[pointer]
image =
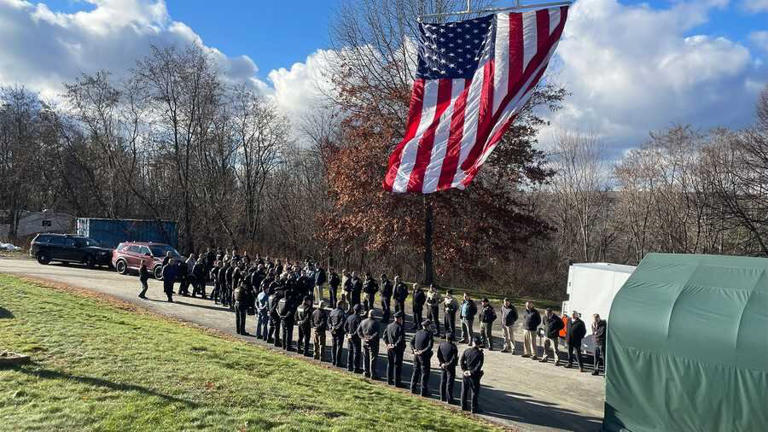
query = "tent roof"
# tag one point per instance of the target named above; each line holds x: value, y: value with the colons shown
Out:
x: 607, y: 266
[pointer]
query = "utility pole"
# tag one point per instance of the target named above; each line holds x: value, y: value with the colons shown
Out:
x: 429, y: 228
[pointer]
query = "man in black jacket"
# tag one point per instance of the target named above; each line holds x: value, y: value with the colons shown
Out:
x: 304, y: 322
x: 487, y: 317
x: 355, y: 289
x: 369, y: 331
x: 394, y: 337
x: 531, y: 321
x: 508, y: 318
x: 386, y: 298
x: 400, y: 293
x: 198, y: 278
x: 599, y: 327
x: 370, y: 288
x: 448, y: 356
x: 143, y: 278
x: 552, y: 326
x: 241, y: 298
x: 320, y: 324
x: 333, y: 289
x: 472, y: 370
x: 353, y: 340
x: 320, y: 279
x: 336, y: 321
x: 169, y: 275
x: 576, y: 332
x: 421, y: 345
x: 274, y: 318
x: 419, y: 298
x: 287, y: 309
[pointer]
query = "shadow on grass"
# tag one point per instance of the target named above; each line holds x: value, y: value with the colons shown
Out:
x: 5, y: 313
x: 98, y: 382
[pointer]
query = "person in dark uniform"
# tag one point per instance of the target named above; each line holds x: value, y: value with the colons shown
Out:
x: 576, y: 332
x: 320, y: 325
x: 169, y: 275
x: 304, y: 322
x: 472, y: 370
x: 450, y: 307
x: 286, y: 309
x: 228, y: 287
x: 448, y: 356
x: 274, y: 318
x: 143, y: 278
x: 333, y: 284
x: 370, y: 288
x: 182, y: 277
x: 369, y: 332
x: 321, y: 277
x: 433, y: 307
x: 400, y: 293
x: 214, y: 275
x: 394, y: 337
x: 336, y: 321
x: 198, y: 278
x: 487, y: 317
x: 421, y: 345
x: 355, y: 289
x: 386, y: 299
x: 241, y: 298
x: 353, y: 340
x: 419, y: 298
x: 222, y: 275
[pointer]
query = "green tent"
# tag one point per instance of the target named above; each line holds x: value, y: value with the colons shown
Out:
x: 688, y: 346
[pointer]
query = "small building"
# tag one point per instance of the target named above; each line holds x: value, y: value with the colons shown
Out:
x: 687, y: 348
x: 31, y: 223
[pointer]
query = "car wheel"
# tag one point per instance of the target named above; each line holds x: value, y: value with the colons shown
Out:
x: 90, y: 261
x: 43, y: 258
x: 158, y: 272
x: 121, y: 267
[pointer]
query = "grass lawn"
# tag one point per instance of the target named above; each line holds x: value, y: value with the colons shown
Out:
x: 99, y: 365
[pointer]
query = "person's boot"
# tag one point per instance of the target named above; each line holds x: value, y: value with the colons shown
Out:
x: 544, y: 360
x: 595, y: 372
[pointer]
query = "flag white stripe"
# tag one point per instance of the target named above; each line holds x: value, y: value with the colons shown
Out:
x: 554, y: 19
x: 501, y: 60
x: 408, y: 158
x: 442, y: 135
x: 471, y: 118
x: 530, y: 37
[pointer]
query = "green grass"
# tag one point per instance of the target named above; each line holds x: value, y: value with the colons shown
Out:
x: 99, y: 365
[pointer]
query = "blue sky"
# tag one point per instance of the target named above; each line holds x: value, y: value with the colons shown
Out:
x: 630, y: 66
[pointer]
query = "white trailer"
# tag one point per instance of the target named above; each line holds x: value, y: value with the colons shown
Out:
x: 591, y: 289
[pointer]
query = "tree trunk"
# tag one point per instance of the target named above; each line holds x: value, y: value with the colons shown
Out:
x: 428, y: 230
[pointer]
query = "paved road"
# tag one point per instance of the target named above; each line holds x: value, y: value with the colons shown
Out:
x: 516, y: 392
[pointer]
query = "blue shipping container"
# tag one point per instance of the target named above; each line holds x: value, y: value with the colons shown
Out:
x: 111, y: 232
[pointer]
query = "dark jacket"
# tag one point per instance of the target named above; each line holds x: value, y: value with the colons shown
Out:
x: 598, y: 331
x: 395, y: 335
x: 576, y: 332
x: 423, y: 341
x: 169, y: 272
x: 320, y: 277
x: 508, y: 315
x: 335, y: 280
x: 143, y: 274
x: 386, y: 289
x: 304, y: 316
x: 400, y: 292
x: 369, y: 330
x: 320, y: 320
x: 419, y: 298
x: 355, y: 288
x: 448, y: 354
x: 370, y: 287
x: 487, y: 315
x: 336, y: 321
x: 350, y: 326
x: 552, y: 326
x: 531, y: 319
x: 472, y: 361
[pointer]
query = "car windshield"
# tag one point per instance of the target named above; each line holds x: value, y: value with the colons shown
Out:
x: 91, y: 242
x: 160, y: 251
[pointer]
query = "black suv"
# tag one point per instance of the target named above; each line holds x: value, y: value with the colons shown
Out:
x: 68, y: 248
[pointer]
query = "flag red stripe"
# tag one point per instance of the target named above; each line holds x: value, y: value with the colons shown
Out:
x: 453, y: 149
x: 542, y: 31
x: 486, y: 116
x: 424, y: 154
x: 414, y: 118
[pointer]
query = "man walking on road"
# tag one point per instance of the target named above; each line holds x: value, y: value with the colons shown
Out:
x: 531, y: 321
x: 143, y: 278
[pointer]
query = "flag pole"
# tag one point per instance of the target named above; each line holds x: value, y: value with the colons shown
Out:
x: 517, y: 7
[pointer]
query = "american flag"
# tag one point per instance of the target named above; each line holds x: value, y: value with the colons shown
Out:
x: 473, y: 78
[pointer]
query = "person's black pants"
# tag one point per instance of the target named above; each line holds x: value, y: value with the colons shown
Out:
x: 337, y: 348
x: 332, y: 290
x: 386, y: 310
x: 449, y: 322
x: 240, y: 314
x: 303, y: 342
x: 421, y: 374
x: 417, y: 319
x: 368, y: 302
x: 353, y: 354
x: 144, y: 287
x: 168, y: 288
x: 470, y: 390
x: 575, y: 351
x: 287, y: 333
x: 447, y: 379
x: 434, y: 316
x: 274, y: 331
x: 394, y: 366
x: 399, y: 306
x: 371, y: 354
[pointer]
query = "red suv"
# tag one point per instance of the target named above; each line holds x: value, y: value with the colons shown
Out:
x: 128, y: 256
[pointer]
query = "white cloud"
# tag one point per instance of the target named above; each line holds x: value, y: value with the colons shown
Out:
x: 41, y: 48
x: 760, y: 39
x: 632, y: 69
x: 755, y: 6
